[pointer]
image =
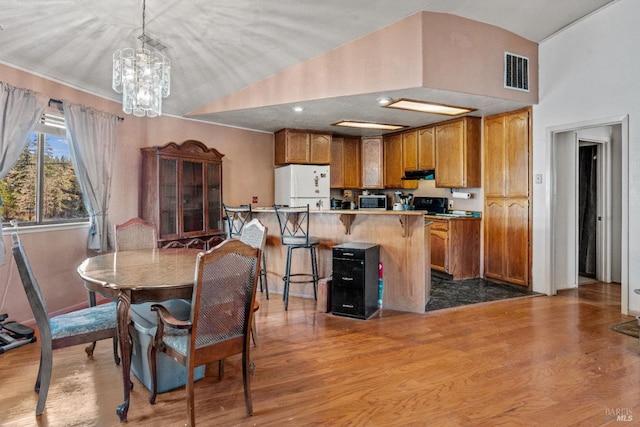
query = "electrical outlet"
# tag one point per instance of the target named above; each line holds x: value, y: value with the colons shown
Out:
x: 538, y: 178
x: 450, y: 204
x: 255, y: 199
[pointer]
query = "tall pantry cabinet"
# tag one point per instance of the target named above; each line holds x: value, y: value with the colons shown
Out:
x: 507, y: 166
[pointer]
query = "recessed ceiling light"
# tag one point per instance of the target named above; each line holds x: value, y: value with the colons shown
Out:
x: 383, y: 101
x: 427, y: 107
x: 298, y: 109
x: 367, y: 125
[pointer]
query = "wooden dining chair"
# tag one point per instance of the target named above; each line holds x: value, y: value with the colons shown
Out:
x: 237, y: 218
x: 135, y: 233
x: 220, y: 320
x: 78, y: 327
x: 254, y: 233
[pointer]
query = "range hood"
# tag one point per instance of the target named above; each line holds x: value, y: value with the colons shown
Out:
x: 420, y: 174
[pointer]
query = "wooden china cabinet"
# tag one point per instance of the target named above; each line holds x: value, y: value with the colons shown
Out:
x: 181, y: 193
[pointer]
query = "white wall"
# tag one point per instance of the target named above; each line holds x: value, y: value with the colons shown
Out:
x: 588, y: 72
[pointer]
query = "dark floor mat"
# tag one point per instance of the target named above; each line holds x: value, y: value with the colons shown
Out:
x: 446, y: 293
x: 630, y: 328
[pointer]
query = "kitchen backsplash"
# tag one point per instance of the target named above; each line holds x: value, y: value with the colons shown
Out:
x: 426, y: 188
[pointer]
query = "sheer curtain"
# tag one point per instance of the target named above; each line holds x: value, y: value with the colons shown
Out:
x: 20, y: 110
x: 92, y: 137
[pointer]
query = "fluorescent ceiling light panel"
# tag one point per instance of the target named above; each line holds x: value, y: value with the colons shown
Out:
x: 367, y: 125
x: 426, y: 107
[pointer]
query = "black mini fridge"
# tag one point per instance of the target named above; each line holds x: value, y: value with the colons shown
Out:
x: 354, y: 288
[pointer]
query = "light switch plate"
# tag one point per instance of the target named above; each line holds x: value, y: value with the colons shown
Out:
x: 538, y: 178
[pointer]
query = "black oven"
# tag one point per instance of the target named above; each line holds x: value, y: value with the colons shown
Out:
x: 431, y: 204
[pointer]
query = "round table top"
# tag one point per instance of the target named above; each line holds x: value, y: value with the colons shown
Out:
x: 145, y: 269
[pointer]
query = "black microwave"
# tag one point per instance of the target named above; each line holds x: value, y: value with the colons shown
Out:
x: 372, y: 201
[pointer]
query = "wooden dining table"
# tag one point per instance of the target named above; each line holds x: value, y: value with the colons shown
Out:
x: 131, y: 277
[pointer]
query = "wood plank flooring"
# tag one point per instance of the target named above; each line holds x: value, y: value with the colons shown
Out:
x: 528, y: 361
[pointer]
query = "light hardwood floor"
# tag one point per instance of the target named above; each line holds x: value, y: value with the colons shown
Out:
x: 529, y: 361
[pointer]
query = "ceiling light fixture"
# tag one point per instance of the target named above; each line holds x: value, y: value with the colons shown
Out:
x: 428, y: 107
x: 298, y: 109
x: 367, y: 125
x: 384, y: 101
x: 142, y: 77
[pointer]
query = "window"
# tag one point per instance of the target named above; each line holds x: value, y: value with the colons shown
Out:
x: 42, y: 187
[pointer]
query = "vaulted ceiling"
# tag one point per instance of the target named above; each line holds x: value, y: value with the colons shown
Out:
x: 218, y: 47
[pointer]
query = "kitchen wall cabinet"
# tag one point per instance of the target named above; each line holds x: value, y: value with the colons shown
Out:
x: 394, y: 163
x: 298, y: 146
x: 346, y: 170
x: 410, y: 150
x: 426, y: 148
x: 455, y: 246
x: 372, y: 164
x: 457, y: 149
x: 507, y: 179
x: 181, y: 193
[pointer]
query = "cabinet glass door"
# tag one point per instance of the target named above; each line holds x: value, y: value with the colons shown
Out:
x: 168, y: 197
x: 214, y: 189
x: 192, y: 197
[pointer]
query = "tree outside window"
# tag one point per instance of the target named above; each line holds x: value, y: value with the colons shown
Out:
x: 42, y: 186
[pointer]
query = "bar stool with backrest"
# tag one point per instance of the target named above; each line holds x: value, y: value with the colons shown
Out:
x: 237, y: 218
x: 294, y: 234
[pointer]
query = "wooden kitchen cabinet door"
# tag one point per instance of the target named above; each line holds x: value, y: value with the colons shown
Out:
x: 351, y: 162
x: 292, y: 146
x: 410, y: 150
x: 345, y: 162
x: 439, y: 245
x: 506, y: 155
x: 494, y: 238
x: 517, y: 155
x: 372, y: 166
x: 320, y: 148
x: 336, y: 175
x: 506, y: 234
x: 517, y: 244
x: 458, y: 153
x: 393, y: 161
x: 426, y: 148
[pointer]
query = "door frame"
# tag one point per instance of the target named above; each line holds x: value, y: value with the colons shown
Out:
x: 553, y: 134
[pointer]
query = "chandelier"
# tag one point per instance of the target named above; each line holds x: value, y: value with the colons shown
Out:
x: 142, y: 77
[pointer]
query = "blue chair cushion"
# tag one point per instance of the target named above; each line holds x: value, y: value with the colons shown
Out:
x: 90, y: 319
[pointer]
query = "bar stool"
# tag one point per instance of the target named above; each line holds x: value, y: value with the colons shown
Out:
x: 294, y: 234
x: 237, y: 217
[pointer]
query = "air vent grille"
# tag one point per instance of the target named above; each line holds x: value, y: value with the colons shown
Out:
x: 516, y: 72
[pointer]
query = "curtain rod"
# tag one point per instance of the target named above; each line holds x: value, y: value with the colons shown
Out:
x: 57, y: 101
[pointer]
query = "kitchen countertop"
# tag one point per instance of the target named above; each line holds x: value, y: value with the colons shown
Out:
x: 377, y: 212
x: 350, y: 211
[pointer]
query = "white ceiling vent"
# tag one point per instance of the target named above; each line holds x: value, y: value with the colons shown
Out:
x: 516, y: 72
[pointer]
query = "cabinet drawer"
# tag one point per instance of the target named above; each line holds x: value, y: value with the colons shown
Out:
x: 439, y: 225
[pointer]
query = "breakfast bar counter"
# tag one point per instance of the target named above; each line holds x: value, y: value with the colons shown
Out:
x: 404, y: 251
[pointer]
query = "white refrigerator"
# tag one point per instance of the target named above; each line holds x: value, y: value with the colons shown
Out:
x: 301, y: 185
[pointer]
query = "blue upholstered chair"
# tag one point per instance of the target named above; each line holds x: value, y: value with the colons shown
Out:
x: 78, y: 327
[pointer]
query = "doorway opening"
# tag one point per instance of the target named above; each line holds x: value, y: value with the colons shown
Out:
x: 588, y: 209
